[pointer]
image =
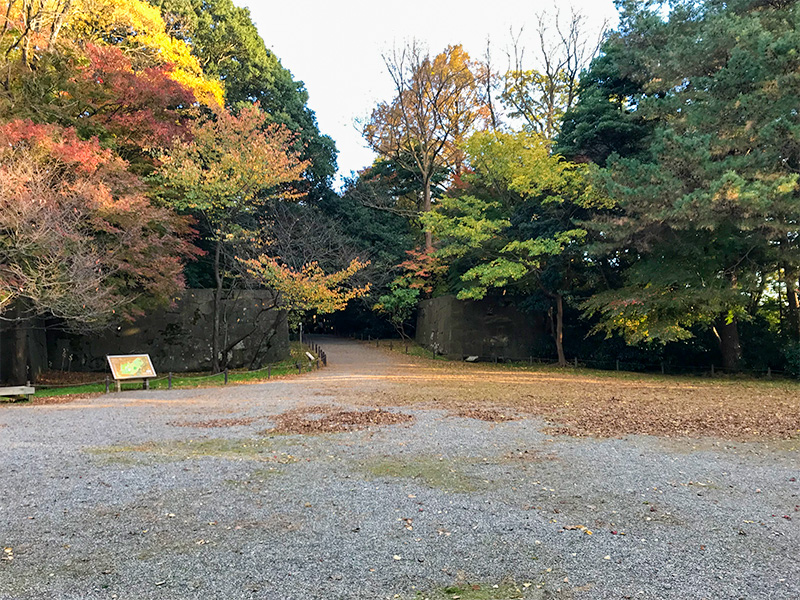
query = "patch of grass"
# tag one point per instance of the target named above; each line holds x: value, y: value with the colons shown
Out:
x: 443, y: 474
x: 192, y: 380
x: 414, y: 349
x: 474, y: 591
x: 150, y: 452
x: 736, y: 379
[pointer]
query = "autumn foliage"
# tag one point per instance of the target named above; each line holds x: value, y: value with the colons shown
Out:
x: 115, y: 142
x: 230, y: 164
x: 30, y: 31
x: 141, y: 108
x: 309, y: 288
x: 78, y: 238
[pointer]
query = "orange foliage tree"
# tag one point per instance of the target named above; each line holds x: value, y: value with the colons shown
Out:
x: 78, y: 238
x: 31, y: 29
x: 232, y: 166
x: 438, y: 102
x: 308, y: 289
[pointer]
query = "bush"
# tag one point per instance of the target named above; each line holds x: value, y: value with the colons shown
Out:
x: 792, y: 354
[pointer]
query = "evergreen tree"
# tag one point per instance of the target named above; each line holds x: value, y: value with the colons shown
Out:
x: 711, y: 207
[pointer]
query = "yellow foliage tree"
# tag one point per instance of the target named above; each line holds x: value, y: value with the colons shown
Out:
x: 28, y: 27
x: 139, y: 27
x: 308, y: 289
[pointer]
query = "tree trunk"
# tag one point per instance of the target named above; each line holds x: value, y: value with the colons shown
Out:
x: 426, y: 207
x: 558, y: 334
x: 215, y: 335
x: 729, y: 345
x: 791, y: 277
x: 19, y: 356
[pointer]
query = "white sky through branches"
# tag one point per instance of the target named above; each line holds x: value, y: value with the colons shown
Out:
x: 335, y: 48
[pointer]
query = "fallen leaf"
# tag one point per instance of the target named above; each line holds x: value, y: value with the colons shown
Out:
x: 582, y: 528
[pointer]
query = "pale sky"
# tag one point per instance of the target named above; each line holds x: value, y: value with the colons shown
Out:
x: 335, y: 47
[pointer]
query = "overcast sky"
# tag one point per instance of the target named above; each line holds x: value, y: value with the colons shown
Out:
x: 335, y: 48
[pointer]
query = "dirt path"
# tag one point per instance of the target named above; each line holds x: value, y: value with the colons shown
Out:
x: 193, y: 494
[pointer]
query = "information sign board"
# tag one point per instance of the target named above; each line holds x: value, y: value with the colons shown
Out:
x: 131, y: 366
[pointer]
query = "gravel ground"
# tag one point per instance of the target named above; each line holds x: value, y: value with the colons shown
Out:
x: 116, y: 497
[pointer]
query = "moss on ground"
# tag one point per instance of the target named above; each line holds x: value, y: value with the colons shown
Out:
x: 178, y: 450
x: 482, y: 591
x: 446, y: 474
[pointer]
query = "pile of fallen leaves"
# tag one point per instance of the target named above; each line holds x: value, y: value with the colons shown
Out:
x: 679, y: 417
x: 214, y: 423
x: 66, y: 398
x: 484, y: 414
x: 67, y: 377
x: 312, y: 420
x: 605, y: 405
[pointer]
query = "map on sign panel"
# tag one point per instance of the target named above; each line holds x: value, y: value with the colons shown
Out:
x: 131, y: 366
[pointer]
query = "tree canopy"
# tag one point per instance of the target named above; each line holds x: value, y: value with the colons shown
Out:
x: 227, y: 45
x: 134, y: 133
x: 708, y: 212
x: 640, y: 191
x: 660, y: 198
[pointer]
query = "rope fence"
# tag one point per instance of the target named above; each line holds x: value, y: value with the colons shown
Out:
x: 319, y: 360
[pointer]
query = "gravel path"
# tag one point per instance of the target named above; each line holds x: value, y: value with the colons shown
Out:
x: 116, y: 497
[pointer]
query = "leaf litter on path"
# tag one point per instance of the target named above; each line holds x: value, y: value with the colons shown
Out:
x: 314, y: 420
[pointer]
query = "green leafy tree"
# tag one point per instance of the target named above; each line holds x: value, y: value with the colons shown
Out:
x: 517, y: 227
x: 399, y: 306
x: 604, y: 120
x: 231, y: 167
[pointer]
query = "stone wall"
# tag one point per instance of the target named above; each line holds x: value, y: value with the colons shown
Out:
x: 487, y: 328
x: 178, y: 338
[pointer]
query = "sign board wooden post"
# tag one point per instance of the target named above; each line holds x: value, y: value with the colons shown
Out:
x: 131, y: 367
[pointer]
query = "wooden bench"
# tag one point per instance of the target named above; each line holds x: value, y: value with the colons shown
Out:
x: 18, y: 390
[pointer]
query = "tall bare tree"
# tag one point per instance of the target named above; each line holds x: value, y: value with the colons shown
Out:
x: 563, y: 48
x: 438, y: 102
